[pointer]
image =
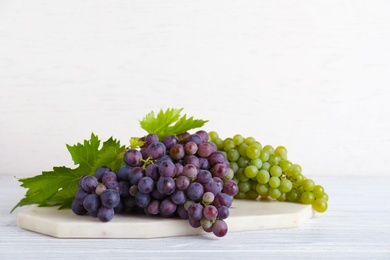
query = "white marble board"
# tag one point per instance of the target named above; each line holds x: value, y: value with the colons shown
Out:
x: 245, y: 215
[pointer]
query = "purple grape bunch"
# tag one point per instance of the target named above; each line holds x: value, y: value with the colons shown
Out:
x: 181, y: 176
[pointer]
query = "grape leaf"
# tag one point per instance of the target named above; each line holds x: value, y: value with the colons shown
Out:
x: 58, y: 187
x: 169, y: 122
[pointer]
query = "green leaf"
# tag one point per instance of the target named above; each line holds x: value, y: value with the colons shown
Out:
x: 58, y: 187
x: 169, y: 122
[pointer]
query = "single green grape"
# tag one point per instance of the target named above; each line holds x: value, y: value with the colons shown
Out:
x: 249, y: 140
x: 286, y: 166
x: 251, y: 195
x: 244, y: 186
x: 293, y: 195
x: 296, y: 168
x: 281, y: 151
x: 240, y: 195
x: 242, y: 149
x: 238, y: 139
x: 218, y: 143
x: 269, y: 149
x: 228, y: 144
x: 251, y: 171
x: 266, y: 166
x: 234, y: 166
x: 297, y: 178
x: 282, y: 197
x: 320, y: 205
x: 285, y: 185
x: 243, y: 161
x: 308, y: 184
x: 274, y: 193
x: 240, y: 174
x: 274, y: 159
x: 262, y: 189
x: 307, y: 197
x: 325, y: 196
x: 257, y: 144
x: 213, y: 135
x: 263, y: 176
x: 318, y: 191
x: 264, y: 155
x: 252, y: 152
x: 274, y: 182
x: 256, y: 162
x: 276, y: 171
x: 233, y: 155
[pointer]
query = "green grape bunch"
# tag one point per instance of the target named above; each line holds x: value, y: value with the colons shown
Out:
x: 265, y: 172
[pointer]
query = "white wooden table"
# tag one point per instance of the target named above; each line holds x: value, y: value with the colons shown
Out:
x: 356, y: 225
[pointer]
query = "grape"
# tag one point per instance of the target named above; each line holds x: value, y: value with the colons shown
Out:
x: 123, y: 172
x: 253, y: 151
x: 208, y: 197
x: 89, y: 183
x: 124, y: 187
x: 320, y: 205
x: 190, y: 148
x: 112, y: 185
x: 206, y: 224
x: 230, y: 187
x: 145, y: 185
x: 152, y: 171
x: 276, y: 171
x: 213, y: 187
x: 92, y: 203
x: 220, y: 228
x: 251, y: 171
x: 285, y: 185
x: 307, y: 197
x: 191, y: 159
x: 195, y: 211
x: 100, y: 172
x: 308, y: 185
x: 194, y: 138
x: 153, y: 208
x: 177, y: 152
x: 220, y: 170
x: 222, y: 199
x: 167, y: 168
x: 223, y: 212
x: 80, y: 195
x: 274, y: 182
x: 318, y: 191
x: 151, y: 138
x: 169, y: 141
x: 178, y: 197
x: 156, y: 150
x: 167, y: 208
x: 166, y: 185
x: 195, y: 191
x: 110, y: 198
x: 263, y: 176
x: 135, y: 175
x: 78, y: 208
x: 204, y: 135
x: 210, y: 212
x: 109, y: 176
x: 182, y: 212
x: 204, y: 163
x: 203, y: 176
x: 217, y: 157
x: 190, y: 171
x: 132, y: 157
x: 142, y: 199
x: 182, y: 182
x: 105, y: 214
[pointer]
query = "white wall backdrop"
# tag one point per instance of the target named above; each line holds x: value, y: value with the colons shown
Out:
x: 310, y: 75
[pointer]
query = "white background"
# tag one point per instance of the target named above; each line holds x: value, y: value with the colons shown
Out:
x: 310, y: 75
